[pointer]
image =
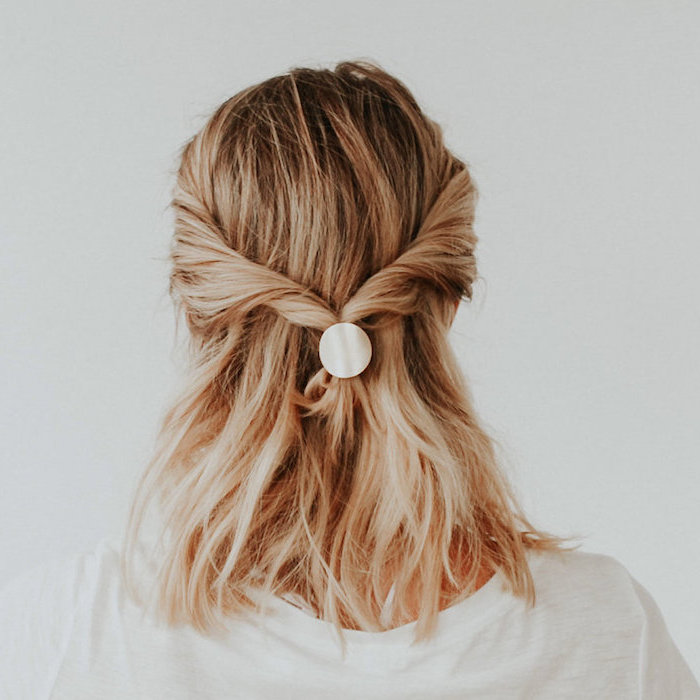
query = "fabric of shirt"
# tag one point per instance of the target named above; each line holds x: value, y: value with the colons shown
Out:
x: 69, y: 631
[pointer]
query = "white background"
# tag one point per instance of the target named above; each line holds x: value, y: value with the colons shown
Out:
x: 580, y: 123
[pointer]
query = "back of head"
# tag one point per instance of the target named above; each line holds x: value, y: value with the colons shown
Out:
x: 316, y: 197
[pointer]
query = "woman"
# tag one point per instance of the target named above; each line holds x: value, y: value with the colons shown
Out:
x: 332, y: 520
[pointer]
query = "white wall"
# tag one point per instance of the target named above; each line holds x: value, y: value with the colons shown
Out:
x: 579, y: 120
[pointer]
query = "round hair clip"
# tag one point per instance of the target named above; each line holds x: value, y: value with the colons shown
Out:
x: 345, y: 349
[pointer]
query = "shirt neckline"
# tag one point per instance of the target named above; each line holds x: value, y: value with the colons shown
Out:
x: 287, y: 620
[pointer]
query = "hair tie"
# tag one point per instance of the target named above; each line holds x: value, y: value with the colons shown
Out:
x: 345, y: 349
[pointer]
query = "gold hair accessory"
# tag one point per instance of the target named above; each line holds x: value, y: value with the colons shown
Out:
x: 345, y: 349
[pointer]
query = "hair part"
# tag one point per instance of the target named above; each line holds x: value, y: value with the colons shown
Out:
x: 314, y: 197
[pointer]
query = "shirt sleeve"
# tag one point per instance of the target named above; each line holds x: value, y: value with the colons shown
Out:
x: 663, y: 672
x: 37, y: 610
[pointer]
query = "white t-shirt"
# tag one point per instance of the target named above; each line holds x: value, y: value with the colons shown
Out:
x: 67, y: 630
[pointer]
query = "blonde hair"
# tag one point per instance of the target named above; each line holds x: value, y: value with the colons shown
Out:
x: 314, y: 197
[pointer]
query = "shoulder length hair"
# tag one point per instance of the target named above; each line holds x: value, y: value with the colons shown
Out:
x: 315, y: 197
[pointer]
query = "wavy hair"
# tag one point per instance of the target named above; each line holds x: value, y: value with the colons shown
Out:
x: 315, y: 197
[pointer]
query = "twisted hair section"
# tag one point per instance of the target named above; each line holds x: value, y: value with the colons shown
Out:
x: 315, y: 197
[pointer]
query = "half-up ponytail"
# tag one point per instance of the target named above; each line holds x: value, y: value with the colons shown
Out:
x: 317, y: 197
